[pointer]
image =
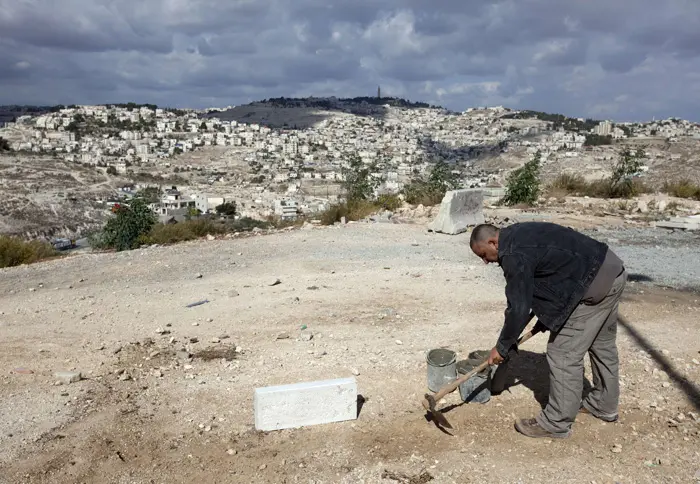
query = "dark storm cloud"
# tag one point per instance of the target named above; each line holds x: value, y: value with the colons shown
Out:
x: 615, y: 59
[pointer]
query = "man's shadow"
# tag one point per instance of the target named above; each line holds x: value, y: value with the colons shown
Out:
x: 532, y: 371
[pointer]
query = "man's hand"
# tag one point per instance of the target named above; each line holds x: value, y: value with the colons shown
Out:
x: 495, y: 357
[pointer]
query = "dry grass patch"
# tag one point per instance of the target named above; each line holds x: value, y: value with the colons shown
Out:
x: 15, y: 251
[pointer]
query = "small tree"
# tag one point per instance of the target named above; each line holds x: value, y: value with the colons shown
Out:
x: 358, y: 183
x: 111, y: 170
x: 227, y: 209
x: 122, y: 232
x: 629, y: 165
x: 4, y: 144
x: 431, y: 190
x: 523, y: 184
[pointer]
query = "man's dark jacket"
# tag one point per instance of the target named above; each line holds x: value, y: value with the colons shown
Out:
x: 548, y: 269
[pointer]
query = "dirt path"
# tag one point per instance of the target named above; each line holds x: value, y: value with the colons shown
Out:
x: 359, y: 289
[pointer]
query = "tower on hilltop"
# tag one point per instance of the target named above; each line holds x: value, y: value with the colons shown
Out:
x: 379, y: 92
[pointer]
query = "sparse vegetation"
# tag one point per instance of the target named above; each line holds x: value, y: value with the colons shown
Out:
x: 197, y: 228
x: 358, y: 181
x: 15, y: 251
x: 621, y: 184
x: 523, y: 184
x: 388, y: 202
x: 352, y: 210
x: 4, y: 144
x: 150, y: 194
x: 112, y: 170
x: 431, y: 190
x: 682, y: 189
x: 569, y: 184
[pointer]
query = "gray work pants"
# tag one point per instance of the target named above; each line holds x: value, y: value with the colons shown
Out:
x: 593, y: 330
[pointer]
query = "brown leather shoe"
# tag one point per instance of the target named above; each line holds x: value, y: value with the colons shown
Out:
x: 585, y: 411
x: 530, y: 428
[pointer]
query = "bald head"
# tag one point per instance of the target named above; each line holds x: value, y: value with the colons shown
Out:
x: 484, y: 242
x: 482, y: 233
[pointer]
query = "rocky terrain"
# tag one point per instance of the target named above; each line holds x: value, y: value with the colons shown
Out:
x: 166, y: 390
x: 45, y: 196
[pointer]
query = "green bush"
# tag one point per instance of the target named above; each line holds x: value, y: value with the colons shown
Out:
x: 431, y: 190
x: 389, y: 202
x: 15, y: 251
x: 352, y: 210
x: 246, y: 224
x: 358, y: 182
x: 226, y: 208
x: 180, y: 232
x: 125, y: 229
x: 164, y: 234
x: 523, y: 184
x: 622, y: 182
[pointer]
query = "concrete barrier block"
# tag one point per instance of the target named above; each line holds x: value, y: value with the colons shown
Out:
x: 459, y: 209
x: 302, y: 404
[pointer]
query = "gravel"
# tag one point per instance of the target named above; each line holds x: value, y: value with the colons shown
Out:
x: 656, y: 256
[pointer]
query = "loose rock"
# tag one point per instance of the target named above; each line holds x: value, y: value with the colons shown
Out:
x: 616, y: 449
x: 68, y: 377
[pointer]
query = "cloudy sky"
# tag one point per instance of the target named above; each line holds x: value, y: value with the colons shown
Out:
x: 614, y: 59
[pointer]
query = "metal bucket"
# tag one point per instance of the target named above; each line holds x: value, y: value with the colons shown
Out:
x: 476, y: 389
x: 441, y: 368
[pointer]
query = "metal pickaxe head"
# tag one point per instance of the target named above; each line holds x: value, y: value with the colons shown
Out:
x: 430, y: 405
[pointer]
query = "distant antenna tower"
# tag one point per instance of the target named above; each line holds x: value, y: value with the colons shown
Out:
x: 379, y: 92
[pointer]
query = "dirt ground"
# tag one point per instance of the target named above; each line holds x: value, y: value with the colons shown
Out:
x: 376, y: 298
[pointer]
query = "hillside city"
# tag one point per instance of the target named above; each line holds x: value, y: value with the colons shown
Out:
x: 275, y: 167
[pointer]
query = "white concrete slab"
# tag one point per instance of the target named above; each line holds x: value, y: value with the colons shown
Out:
x: 459, y: 209
x: 302, y: 404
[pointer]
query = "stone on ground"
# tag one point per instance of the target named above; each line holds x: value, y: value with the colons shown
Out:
x: 302, y: 404
x: 459, y: 209
x: 68, y: 376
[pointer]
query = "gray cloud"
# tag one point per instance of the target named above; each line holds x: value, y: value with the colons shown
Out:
x: 628, y: 59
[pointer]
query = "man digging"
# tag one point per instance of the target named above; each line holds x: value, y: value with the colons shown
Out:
x: 573, y: 285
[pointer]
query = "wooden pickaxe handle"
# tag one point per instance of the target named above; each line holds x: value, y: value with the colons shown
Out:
x: 449, y: 388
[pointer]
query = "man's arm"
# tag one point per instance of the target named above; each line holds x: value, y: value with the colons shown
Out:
x: 520, y: 278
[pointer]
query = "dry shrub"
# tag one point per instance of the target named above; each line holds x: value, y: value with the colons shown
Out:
x: 682, y: 189
x: 15, y: 251
x: 568, y: 184
x: 352, y: 210
x: 602, y: 188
